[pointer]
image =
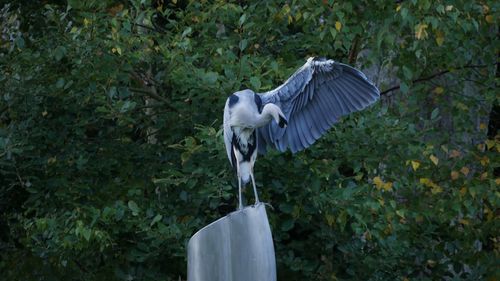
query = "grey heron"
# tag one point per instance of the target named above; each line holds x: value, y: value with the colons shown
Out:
x: 303, y: 109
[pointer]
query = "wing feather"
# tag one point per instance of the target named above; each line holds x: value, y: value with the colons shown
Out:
x: 338, y: 101
x: 313, y: 99
x: 345, y: 99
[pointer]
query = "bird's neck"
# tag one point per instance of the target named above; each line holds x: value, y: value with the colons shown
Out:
x: 269, y: 112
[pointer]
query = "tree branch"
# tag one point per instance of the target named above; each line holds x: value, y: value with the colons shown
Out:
x: 437, y: 74
x: 154, y: 96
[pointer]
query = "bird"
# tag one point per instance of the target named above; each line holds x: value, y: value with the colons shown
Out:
x: 292, y: 116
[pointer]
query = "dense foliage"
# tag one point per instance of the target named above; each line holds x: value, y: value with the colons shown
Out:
x: 111, y: 154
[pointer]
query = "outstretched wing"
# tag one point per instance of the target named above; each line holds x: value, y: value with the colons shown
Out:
x: 313, y: 99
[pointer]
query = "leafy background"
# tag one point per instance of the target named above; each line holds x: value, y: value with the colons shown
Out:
x: 111, y: 154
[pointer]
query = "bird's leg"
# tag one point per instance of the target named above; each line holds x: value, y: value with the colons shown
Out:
x: 255, y: 189
x: 240, y: 206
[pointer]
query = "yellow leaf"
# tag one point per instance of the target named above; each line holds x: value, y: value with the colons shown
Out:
x: 436, y: 189
x: 398, y: 7
x: 480, y: 147
x: 425, y: 181
x: 113, y: 50
x: 338, y: 25
x: 482, y: 126
x: 298, y: 16
x: 378, y: 182
x: 439, y: 38
x: 86, y: 22
x: 358, y: 177
x: 387, y: 186
x: 400, y: 213
x: 497, y: 181
x: 330, y: 219
x: 489, y: 213
x: 439, y: 90
x: 52, y: 160
x: 464, y: 221
x: 449, y: 8
x: 489, y: 18
x: 490, y: 144
x: 44, y: 113
x: 486, y: 9
x: 415, y: 165
x: 485, y: 160
x: 472, y: 193
x: 420, y: 31
x: 434, y: 159
x: 381, y: 201
x: 119, y: 50
x: 462, y: 106
x: 484, y: 176
x: 455, y: 153
x: 115, y: 9
x: 463, y: 190
x: 174, y: 1
x: 465, y: 170
x: 454, y: 175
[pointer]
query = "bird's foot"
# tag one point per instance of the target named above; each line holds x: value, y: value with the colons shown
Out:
x: 269, y: 204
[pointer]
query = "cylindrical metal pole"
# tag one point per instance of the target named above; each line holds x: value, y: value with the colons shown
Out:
x: 237, y: 247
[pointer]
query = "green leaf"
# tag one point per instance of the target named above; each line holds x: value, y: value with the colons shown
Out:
x: 333, y: 32
x: 60, y: 83
x: 407, y: 72
x: 243, y: 44
x: 59, y: 53
x: 186, y: 32
x: 133, y: 207
x: 242, y: 19
x: 255, y: 82
x: 211, y: 77
x: 19, y: 42
x: 404, y: 88
x: 286, y: 208
x: 435, y: 113
x: 86, y: 233
x: 287, y: 224
x: 156, y: 219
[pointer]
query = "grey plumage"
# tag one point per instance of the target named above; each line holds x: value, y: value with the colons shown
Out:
x: 309, y: 102
x: 313, y: 99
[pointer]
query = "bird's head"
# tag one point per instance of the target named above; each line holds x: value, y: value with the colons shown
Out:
x: 282, y: 121
x: 275, y: 113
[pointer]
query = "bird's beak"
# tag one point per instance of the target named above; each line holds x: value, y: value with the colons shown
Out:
x: 282, y: 123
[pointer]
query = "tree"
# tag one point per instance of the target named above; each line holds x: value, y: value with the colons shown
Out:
x: 111, y: 151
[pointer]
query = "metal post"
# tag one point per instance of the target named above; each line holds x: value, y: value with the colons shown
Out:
x: 237, y: 247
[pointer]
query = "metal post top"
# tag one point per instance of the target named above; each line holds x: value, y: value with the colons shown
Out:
x: 236, y: 247
x: 259, y: 207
